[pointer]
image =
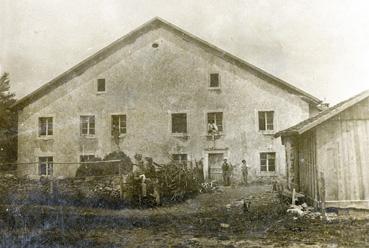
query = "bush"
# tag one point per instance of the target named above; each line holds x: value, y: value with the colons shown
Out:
x: 106, y: 168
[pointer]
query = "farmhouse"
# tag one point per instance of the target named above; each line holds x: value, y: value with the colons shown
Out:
x: 155, y: 91
x: 328, y: 155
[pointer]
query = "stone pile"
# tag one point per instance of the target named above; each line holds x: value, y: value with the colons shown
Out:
x: 303, y: 210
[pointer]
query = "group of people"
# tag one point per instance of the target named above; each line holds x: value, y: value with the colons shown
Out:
x: 145, y: 178
x: 144, y: 175
x: 227, y: 170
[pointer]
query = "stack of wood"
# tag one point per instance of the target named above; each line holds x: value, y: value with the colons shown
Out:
x: 176, y: 182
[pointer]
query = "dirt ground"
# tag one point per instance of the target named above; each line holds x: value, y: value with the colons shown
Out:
x: 209, y: 220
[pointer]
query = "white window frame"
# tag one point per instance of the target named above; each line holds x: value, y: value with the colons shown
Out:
x: 207, y: 123
x: 111, y: 124
x: 266, y: 132
x: 88, y: 125
x: 170, y: 113
x: 45, y: 136
x: 268, y: 172
x: 47, y: 166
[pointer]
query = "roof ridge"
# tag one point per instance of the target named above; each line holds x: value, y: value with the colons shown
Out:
x: 100, y: 53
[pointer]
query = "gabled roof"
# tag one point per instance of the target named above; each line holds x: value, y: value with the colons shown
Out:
x: 131, y: 37
x: 323, y: 116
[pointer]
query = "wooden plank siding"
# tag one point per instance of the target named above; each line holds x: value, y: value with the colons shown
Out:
x: 343, y: 156
x: 308, y: 172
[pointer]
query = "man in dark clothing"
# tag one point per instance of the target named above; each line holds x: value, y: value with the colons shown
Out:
x: 198, y: 171
x: 226, y: 172
x: 150, y: 171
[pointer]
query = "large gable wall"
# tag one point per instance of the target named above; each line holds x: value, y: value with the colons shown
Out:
x: 148, y: 84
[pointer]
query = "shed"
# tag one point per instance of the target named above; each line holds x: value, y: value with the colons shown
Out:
x: 328, y: 155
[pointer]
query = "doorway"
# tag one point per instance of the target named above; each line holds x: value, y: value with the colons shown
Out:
x: 215, y: 161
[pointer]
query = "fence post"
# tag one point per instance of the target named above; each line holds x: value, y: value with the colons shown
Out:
x: 293, y: 196
x: 322, y: 194
x: 51, y: 185
x: 120, y: 183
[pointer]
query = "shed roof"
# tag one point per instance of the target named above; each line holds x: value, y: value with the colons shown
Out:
x: 131, y: 37
x: 312, y: 122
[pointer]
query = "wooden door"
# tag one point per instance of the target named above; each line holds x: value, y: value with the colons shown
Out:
x: 215, y: 161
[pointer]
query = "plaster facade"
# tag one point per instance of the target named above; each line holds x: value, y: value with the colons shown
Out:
x: 148, y: 83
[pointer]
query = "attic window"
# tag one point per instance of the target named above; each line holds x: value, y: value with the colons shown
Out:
x: 214, y: 80
x: 101, y: 85
x: 155, y: 45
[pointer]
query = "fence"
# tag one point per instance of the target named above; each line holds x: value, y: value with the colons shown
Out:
x: 36, y: 188
x: 110, y: 187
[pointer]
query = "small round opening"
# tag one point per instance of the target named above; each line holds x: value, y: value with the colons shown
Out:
x: 155, y: 45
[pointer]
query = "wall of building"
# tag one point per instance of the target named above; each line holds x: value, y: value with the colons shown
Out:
x: 148, y: 84
x: 308, y: 171
x: 343, y: 156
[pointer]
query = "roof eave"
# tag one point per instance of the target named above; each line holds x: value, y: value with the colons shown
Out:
x: 286, y: 133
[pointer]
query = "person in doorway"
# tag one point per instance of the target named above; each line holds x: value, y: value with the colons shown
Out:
x: 226, y: 172
x: 244, y: 171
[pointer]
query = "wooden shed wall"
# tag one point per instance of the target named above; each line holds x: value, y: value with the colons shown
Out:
x: 308, y: 173
x: 343, y: 156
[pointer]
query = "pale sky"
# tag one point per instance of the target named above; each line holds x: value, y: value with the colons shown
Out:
x: 320, y: 46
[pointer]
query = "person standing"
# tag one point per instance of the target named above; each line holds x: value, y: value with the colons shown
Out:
x: 139, y: 176
x: 226, y: 172
x: 150, y: 170
x: 245, y: 171
x: 198, y: 171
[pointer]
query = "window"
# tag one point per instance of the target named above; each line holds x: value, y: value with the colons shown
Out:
x: 214, y: 80
x: 86, y: 158
x: 101, y: 85
x: 215, y: 118
x: 45, y: 166
x: 266, y: 119
x: 88, y: 125
x: 267, y: 161
x: 179, y: 158
x: 45, y: 125
x: 119, y: 124
x: 179, y: 123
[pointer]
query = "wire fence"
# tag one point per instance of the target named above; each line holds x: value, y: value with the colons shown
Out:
x: 29, y: 168
x: 32, y: 168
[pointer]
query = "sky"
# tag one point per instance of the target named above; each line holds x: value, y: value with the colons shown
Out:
x: 320, y: 46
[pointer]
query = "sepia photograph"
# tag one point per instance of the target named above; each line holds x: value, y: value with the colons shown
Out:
x: 208, y: 123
